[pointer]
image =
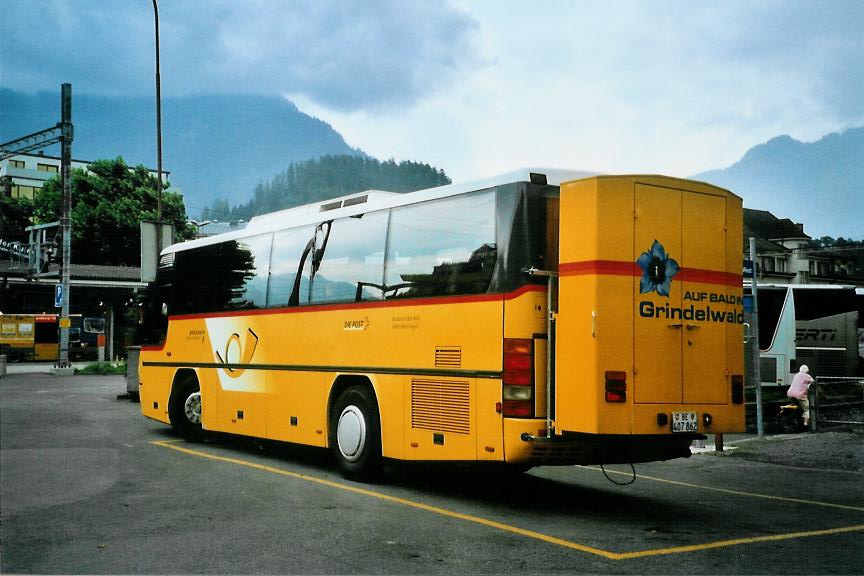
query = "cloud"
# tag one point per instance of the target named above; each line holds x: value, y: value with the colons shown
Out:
x: 344, y: 55
x: 662, y: 86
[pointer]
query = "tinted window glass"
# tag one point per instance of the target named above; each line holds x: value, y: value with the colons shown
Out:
x: 227, y: 276
x: 245, y: 265
x: 352, y: 265
x: 770, y: 306
x: 288, y: 249
x: 195, y: 280
x: 442, y: 247
x: 821, y: 303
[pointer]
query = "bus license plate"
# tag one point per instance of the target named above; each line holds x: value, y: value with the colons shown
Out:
x: 684, y: 422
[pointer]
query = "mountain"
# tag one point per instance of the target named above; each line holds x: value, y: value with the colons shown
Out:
x: 213, y: 146
x: 820, y: 184
x: 329, y: 177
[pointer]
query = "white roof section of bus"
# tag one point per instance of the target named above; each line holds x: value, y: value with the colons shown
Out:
x: 808, y: 286
x: 376, y: 200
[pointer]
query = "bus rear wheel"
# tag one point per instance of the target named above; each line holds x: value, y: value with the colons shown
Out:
x: 355, y: 434
x: 185, y: 409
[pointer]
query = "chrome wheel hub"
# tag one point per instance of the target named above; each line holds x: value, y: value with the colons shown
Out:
x: 192, y: 408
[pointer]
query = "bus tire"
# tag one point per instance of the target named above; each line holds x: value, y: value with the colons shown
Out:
x: 184, y: 409
x: 355, y: 434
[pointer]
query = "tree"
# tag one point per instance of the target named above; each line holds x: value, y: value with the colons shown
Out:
x: 109, y: 199
x: 330, y: 177
x: 14, y: 218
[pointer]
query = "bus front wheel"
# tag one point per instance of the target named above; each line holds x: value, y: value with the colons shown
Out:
x: 185, y: 409
x: 355, y: 434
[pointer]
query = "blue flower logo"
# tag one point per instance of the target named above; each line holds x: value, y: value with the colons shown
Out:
x: 657, y: 270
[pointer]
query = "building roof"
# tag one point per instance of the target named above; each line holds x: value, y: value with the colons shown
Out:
x: 90, y: 274
x: 764, y: 246
x: 763, y: 224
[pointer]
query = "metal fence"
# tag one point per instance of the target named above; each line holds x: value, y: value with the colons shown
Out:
x: 836, y: 402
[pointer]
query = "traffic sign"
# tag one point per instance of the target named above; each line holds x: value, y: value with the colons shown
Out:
x: 748, y: 268
x: 58, y: 296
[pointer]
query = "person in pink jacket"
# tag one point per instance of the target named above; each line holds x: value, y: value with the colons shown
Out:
x: 799, y: 389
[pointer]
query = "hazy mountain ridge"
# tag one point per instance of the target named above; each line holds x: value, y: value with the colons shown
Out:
x: 218, y: 146
x: 223, y: 146
x: 820, y: 184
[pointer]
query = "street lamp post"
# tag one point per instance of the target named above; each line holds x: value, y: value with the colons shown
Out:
x: 158, y: 140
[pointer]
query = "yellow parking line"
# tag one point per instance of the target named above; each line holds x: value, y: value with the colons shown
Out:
x: 498, y: 525
x: 734, y: 492
x: 738, y: 542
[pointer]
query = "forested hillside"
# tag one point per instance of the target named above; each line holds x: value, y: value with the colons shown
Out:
x: 329, y: 177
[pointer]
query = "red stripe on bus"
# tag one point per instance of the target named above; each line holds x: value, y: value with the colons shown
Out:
x: 604, y: 267
x: 619, y: 268
x: 710, y: 277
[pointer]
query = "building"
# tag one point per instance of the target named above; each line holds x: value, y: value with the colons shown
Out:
x: 785, y: 254
x: 22, y: 175
x: 103, y: 291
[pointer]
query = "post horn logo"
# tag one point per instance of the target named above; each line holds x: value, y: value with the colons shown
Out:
x: 238, y: 354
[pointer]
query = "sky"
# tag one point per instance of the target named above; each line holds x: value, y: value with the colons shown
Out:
x: 479, y: 87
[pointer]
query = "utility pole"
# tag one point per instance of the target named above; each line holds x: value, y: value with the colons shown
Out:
x: 66, y: 136
x: 754, y: 356
x: 158, y: 141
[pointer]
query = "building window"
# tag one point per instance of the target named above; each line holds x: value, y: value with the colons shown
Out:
x: 48, y: 168
x: 16, y: 163
x: 19, y: 191
x: 819, y: 268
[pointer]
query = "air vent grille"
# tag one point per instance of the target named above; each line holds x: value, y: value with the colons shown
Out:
x: 166, y: 260
x: 344, y: 203
x: 448, y: 357
x: 441, y: 405
x: 354, y: 201
x: 330, y: 206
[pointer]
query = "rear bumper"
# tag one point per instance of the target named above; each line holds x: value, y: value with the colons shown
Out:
x: 577, y: 448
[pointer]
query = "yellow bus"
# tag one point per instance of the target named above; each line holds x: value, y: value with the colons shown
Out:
x: 543, y: 317
x: 36, y: 337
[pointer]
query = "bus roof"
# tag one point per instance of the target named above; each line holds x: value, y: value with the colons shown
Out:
x: 807, y: 286
x: 372, y: 200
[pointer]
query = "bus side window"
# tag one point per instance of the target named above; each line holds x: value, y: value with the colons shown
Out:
x: 246, y: 263
x: 351, y: 267
x: 288, y: 247
x: 441, y: 248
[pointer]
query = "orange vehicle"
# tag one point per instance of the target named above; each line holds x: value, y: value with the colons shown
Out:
x: 538, y: 318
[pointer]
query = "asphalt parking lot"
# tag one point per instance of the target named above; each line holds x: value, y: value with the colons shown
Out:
x: 87, y: 485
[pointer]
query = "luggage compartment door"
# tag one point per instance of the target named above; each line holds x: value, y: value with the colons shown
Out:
x: 680, y: 321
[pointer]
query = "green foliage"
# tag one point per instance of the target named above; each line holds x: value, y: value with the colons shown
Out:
x: 330, y: 177
x: 14, y: 217
x: 219, y: 210
x: 108, y: 201
x: 842, y: 249
x: 103, y: 369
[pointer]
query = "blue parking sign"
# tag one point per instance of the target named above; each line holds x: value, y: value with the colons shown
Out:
x: 58, y: 296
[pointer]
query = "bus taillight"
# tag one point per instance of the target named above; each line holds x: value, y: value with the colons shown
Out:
x: 518, y: 377
x: 616, y: 386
